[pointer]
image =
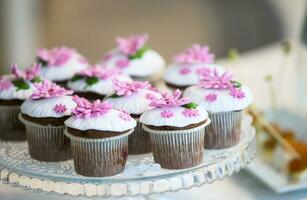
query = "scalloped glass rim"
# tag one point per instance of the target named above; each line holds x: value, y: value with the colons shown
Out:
x: 221, y: 163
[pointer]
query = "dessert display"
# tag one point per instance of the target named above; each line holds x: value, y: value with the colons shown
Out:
x: 95, y: 82
x: 134, y: 98
x: 177, y: 131
x: 99, y: 138
x: 44, y: 114
x: 224, y: 99
x: 189, y: 66
x: 60, y: 64
x: 134, y: 57
x: 14, y: 90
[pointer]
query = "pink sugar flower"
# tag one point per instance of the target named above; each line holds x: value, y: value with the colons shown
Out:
x: 33, y: 72
x: 150, y: 96
x: 122, y: 63
x: 190, y: 112
x: 60, y: 108
x: 107, y: 56
x: 203, y: 71
x: 17, y: 72
x: 216, y: 81
x: 86, y: 109
x: 211, y: 97
x: 94, y: 71
x: 184, y: 71
x: 56, y: 56
x: 236, y: 93
x: 130, y: 45
x: 125, y: 88
x: 47, y: 89
x: 195, y: 54
x: 125, y: 116
x: 167, y: 114
x: 29, y: 73
x: 169, y: 100
x: 5, y: 84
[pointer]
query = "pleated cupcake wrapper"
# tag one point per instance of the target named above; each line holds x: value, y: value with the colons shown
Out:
x: 97, y: 157
x: 224, y: 130
x: 139, y: 140
x: 47, y: 143
x: 178, y: 149
x: 11, y: 128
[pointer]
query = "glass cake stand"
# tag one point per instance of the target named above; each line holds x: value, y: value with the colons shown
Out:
x: 141, y: 176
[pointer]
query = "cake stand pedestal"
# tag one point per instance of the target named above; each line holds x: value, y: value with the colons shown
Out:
x: 141, y: 177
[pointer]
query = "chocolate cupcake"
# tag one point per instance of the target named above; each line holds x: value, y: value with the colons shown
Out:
x: 95, y: 82
x: 134, y: 98
x: 60, y: 64
x: 99, y: 138
x: 135, y: 58
x: 188, y: 67
x: 224, y: 99
x: 14, y: 89
x: 44, y: 115
x: 177, y: 128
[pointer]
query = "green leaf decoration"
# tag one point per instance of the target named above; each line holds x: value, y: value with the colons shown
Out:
x: 233, y: 54
x: 21, y: 84
x: 139, y: 53
x: 76, y: 78
x: 114, y: 96
x: 42, y: 62
x: 91, y: 80
x: 36, y: 80
x: 236, y: 84
x: 190, y: 105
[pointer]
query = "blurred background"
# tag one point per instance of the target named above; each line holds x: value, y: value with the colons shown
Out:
x: 90, y: 26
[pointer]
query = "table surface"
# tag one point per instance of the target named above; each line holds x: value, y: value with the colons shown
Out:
x: 240, y: 186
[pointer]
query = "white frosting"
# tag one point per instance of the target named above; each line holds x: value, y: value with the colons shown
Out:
x: 65, y: 71
x: 173, y: 75
x: 153, y: 117
x: 45, y: 107
x: 224, y: 102
x: 136, y: 103
x: 13, y: 93
x: 103, y: 87
x: 150, y: 63
x: 110, y: 121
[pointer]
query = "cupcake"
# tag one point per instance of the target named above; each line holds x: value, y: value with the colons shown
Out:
x: 135, y: 58
x: 99, y: 138
x: 224, y: 99
x: 95, y: 82
x: 134, y: 98
x: 188, y: 67
x: 60, y: 64
x: 14, y: 89
x: 44, y: 115
x: 177, y: 128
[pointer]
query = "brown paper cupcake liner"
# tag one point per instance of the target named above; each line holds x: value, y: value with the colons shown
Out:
x: 139, y: 140
x: 178, y: 149
x: 11, y: 128
x: 47, y: 143
x: 224, y: 130
x: 99, y: 157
